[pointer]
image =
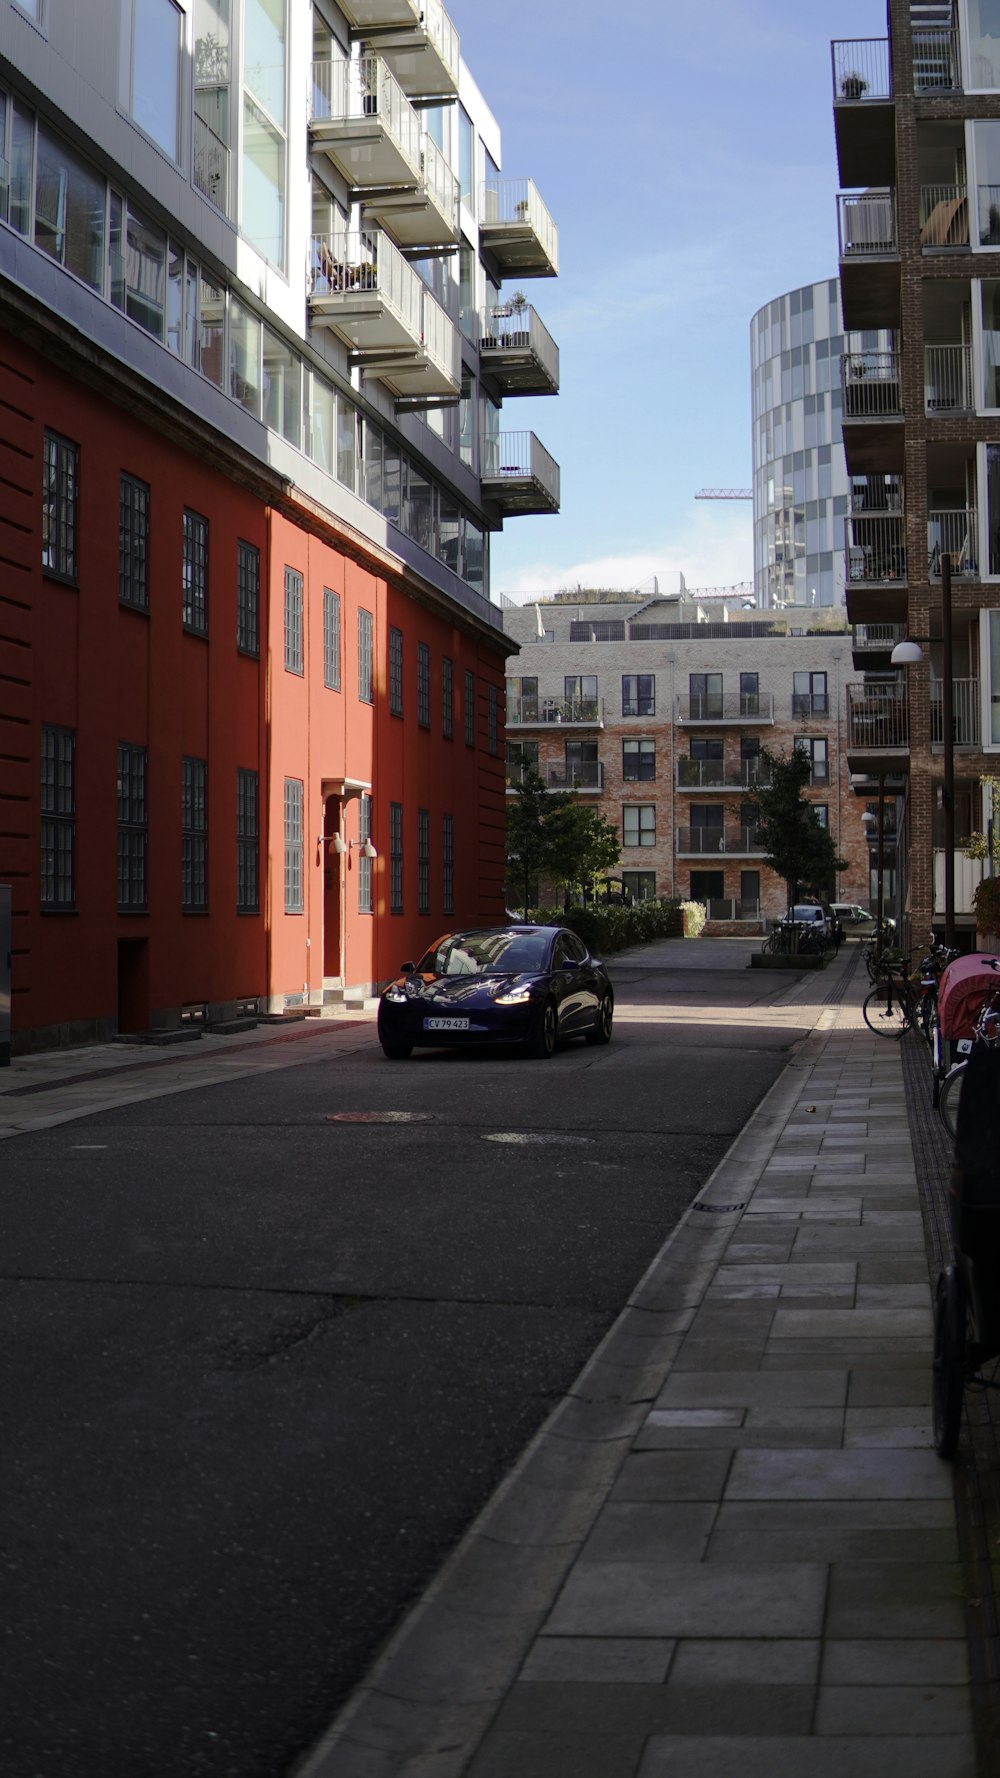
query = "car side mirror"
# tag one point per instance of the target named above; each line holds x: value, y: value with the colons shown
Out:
x: 407, y: 968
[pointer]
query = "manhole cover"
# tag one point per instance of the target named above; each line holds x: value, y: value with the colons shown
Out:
x: 522, y: 1138
x: 379, y: 1117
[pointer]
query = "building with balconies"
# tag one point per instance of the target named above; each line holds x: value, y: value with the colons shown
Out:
x: 656, y: 711
x: 917, y: 124
x: 256, y: 339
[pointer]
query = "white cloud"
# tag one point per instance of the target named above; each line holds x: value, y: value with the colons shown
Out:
x: 713, y: 546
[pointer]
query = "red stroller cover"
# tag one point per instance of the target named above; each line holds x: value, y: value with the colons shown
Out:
x: 965, y: 987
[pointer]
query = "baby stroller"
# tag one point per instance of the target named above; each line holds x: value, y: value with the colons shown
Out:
x: 967, y: 1308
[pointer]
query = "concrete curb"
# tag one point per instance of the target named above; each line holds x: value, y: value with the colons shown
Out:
x: 427, y: 1701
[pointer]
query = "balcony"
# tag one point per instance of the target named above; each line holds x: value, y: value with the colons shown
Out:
x: 878, y: 729
x: 966, y: 705
x: 708, y: 842
x: 518, y: 473
x: 718, y: 774
x: 720, y: 708
x: 944, y: 217
x: 372, y: 14
x: 937, y: 62
x: 872, y: 411
x: 954, y: 533
x: 586, y: 775
x: 424, y: 61
x: 872, y: 645
x: 862, y: 114
x: 518, y: 352
x: 362, y: 119
x: 427, y: 216
x: 869, y: 259
x: 948, y: 380
x: 875, y: 546
x: 529, y: 710
x: 363, y: 288
x: 517, y: 230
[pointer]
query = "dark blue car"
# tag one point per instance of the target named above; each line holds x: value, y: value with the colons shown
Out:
x: 528, y: 985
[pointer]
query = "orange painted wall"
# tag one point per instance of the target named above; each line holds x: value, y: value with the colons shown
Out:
x: 114, y: 674
x: 74, y: 657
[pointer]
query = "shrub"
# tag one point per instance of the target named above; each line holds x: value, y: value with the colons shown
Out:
x: 694, y: 918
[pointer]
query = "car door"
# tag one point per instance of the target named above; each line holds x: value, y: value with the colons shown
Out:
x: 565, y: 984
x: 584, y: 982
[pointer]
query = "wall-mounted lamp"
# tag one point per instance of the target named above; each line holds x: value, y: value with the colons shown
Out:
x: 907, y: 653
x: 339, y: 845
x: 367, y: 849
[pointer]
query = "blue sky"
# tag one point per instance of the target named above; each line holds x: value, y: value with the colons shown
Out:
x: 672, y: 145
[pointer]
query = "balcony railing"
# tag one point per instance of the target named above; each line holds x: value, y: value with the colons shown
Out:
x: 701, y: 842
x: 968, y: 874
x: 581, y: 774
x: 876, y: 638
x: 944, y: 216
x: 716, y: 774
x: 725, y: 707
x: 516, y: 345
x: 966, y: 697
x: 362, y: 261
x: 440, y: 181
x: 366, y: 91
x: 517, y: 228
x: 861, y: 70
x: 876, y: 547
x: 867, y: 224
x: 877, y: 717
x: 520, y: 470
x: 530, y: 709
x: 211, y: 164
x: 870, y: 382
x: 953, y: 533
x: 948, y: 379
x: 937, y: 63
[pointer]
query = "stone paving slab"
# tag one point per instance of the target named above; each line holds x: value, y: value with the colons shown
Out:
x: 757, y: 1575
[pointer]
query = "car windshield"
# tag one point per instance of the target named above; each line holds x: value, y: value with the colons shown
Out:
x: 486, y: 953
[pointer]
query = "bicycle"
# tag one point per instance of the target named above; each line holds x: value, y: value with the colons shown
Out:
x: 903, y: 998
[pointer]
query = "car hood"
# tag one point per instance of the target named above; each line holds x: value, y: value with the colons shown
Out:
x: 462, y: 990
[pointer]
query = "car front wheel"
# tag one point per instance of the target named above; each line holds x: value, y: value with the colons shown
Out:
x: 542, y: 1042
x: 601, y: 1032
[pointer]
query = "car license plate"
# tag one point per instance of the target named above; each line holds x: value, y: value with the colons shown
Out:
x: 446, y: 1024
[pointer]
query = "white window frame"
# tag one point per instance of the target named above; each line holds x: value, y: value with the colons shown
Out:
x: 989, y: 687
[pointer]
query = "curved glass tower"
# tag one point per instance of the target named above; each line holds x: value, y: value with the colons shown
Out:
x: 800, y: 480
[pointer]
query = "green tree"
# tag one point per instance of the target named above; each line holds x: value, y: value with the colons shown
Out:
x: 551, y: 834
x: 797, y: 848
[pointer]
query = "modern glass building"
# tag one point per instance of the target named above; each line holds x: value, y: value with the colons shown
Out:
x: 800, y: 482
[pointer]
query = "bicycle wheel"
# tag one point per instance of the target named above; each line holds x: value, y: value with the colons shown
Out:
x: 885, y: 1013
x: 949, y: 1361
x: 949, y: 1096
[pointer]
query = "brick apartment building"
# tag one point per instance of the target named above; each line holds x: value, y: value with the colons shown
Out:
x: 658, y: 710
x: 917, y: 119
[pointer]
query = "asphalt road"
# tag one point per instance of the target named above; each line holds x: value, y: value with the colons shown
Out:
x: 261, y: 1363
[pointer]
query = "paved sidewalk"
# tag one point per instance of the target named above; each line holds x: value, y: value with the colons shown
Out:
x: 731, y: 1552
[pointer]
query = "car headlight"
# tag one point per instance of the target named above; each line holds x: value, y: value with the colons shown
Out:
x: 395, y: 992
x: 513, y: 997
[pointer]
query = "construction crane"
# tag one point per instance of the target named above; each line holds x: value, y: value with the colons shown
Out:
x: 724, y: 494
